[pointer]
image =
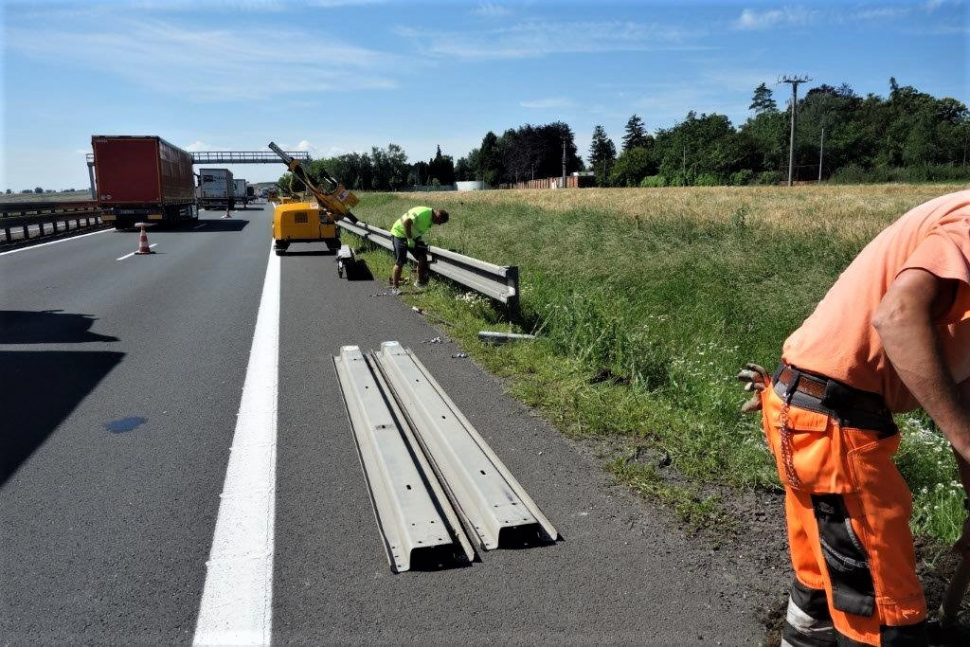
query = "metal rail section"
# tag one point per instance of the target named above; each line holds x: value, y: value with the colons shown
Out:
x: 24, y: 215
x: 488, y: 498
x: 409, y: 518
x: 494, y: 281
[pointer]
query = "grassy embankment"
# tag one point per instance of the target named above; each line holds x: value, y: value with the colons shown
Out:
x: 60, y: 196
x: 648, y: 301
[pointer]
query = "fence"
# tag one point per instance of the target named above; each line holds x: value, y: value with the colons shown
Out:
x: 572, y: 182
x: 33, y: 218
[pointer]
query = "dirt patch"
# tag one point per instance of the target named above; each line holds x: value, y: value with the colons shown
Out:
x: 754, y: 544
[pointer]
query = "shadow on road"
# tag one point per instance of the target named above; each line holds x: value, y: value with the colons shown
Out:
x: 47, y: 327
x: 40, y: 390
x: 204, y: 225
x: 312, y: 252
x: 523, y: 537
x: 358, y: 271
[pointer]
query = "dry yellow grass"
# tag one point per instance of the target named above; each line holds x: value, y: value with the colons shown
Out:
x: 842, y: 210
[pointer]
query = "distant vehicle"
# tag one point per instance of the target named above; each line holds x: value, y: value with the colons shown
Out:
x: 239, y: 191
x: 216, y: 189
x: 141, y: 178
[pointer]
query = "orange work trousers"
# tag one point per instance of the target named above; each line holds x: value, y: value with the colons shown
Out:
x: 848, y: 512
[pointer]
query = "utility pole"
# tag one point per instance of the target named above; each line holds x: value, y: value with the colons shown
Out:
x: 821, y: 153
x: 794, y: 81
x: 563, y: 163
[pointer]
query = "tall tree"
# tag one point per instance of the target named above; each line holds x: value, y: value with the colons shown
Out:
x: 441, y: 168
x: 489, y: 168
x: 635, y: 134
x: 390, y: 168
x: 762, y: 100
x: 602, y: 155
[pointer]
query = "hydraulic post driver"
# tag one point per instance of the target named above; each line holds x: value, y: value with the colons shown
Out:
x: 303, y: 222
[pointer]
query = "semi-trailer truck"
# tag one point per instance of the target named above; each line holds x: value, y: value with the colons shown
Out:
x: 141, y: 178
x: 216, y: 189
x: 239, y: 192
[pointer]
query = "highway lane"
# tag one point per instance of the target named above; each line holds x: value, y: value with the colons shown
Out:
x: 104, y: 532
x: 622, y: 575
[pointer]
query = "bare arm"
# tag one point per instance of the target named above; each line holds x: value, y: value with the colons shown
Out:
x: 407, y: 228
x: 905, y: 323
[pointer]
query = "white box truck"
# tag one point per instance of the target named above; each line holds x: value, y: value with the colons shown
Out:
x: 216, y: 189
x: 239, y: 192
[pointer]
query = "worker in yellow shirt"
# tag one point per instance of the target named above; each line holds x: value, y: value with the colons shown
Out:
x: 406, y: 235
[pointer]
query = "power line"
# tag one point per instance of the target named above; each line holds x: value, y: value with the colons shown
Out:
x: 794, y: 81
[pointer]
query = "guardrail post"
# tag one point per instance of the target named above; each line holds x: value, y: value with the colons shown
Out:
x: 512, y: 280
x: 26, y: 233
x: 6, y: 231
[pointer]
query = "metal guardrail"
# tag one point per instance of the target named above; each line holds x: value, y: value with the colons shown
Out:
x: 489, y: 500
x: 27, y: 215
x: 494, y: 281
x: 413, y: 512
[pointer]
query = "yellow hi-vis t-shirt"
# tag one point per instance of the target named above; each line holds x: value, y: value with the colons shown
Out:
x: 420, y: 218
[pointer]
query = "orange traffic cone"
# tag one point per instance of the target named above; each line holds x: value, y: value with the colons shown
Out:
x: 143, y: 242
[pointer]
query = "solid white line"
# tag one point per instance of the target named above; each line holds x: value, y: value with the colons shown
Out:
x: 121, y: 258
x: 53, y: 242
x: 237, y: 601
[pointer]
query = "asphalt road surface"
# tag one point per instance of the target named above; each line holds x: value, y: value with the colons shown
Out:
x: 122, y: 383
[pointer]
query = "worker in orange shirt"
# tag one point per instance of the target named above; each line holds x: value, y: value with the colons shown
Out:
x: 892, y: 335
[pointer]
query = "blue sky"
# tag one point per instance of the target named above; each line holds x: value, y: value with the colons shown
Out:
x: 331, y: 76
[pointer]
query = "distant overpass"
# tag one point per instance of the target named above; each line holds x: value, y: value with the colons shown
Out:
x: 237, y: 157
x: 245, y: 157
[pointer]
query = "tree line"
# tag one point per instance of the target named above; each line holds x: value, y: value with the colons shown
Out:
x: 906, y: 136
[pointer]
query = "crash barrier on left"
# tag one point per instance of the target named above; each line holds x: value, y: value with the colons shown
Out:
x: 31, y: 219
x: 435, y: 485
x: 494, y: 281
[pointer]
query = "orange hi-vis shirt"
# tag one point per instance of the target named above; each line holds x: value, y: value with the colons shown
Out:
x: 838, y: 339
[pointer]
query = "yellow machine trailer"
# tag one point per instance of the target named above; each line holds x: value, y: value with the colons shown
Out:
x: 303, y: 222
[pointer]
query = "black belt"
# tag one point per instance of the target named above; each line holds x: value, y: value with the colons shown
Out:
x: 850, y: 406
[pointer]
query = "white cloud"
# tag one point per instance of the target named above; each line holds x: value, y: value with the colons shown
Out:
x: 198, y: 146
x: 752, y: 19
x: 544, y: 104
x: 208, y: 64
x: 933, y: 5
x: 880, y: 13
x: 531, y: 39
x: 491, y: 10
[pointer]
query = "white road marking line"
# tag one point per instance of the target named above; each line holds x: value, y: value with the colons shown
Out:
x: 121, y: 258
x: 53, y: 242
x: 237, y: 601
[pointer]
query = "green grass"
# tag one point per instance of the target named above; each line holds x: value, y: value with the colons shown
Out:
x: 647, y: 302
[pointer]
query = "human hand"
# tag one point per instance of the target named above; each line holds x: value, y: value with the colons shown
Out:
x: 755, y: 379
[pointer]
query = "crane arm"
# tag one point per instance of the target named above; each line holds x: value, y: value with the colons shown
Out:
x: 335, y: 198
